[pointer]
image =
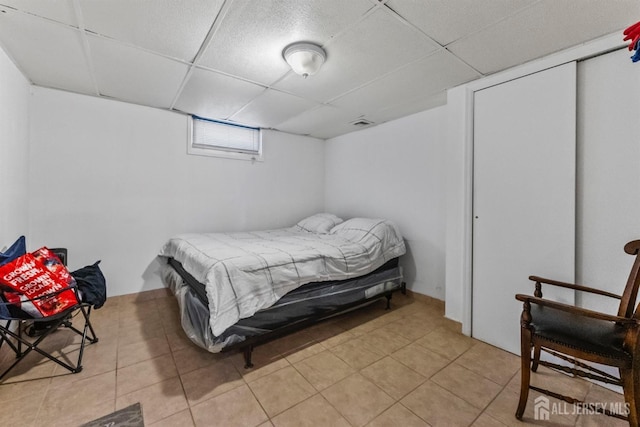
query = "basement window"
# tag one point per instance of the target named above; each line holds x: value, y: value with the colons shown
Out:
x: 216, y: 138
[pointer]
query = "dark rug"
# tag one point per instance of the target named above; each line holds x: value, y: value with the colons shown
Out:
x: 131, y: 416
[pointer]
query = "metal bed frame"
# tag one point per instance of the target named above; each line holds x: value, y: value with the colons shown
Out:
x: 247, y: 346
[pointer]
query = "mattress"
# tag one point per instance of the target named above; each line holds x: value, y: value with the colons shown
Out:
x: 243, y: 273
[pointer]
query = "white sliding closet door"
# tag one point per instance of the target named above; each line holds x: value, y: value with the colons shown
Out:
x: 608, y: 179
x: 523, y: 197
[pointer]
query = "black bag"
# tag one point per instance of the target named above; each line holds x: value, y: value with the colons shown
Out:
x: 91, y: 284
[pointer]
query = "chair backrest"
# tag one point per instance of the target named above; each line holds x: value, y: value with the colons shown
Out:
x: 628, y: 301
x: 61, y: 253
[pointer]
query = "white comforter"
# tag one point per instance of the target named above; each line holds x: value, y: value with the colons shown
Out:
x: 247, y: 271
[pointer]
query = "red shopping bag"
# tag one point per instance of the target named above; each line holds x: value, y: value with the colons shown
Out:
x: 35, y: 275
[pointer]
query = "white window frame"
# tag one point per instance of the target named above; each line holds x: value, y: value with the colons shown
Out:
x: 213, y: 151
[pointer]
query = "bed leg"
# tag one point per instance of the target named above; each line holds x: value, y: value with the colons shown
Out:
x: 403, y: 288
x: 388, y: 296
x: 247, y: 357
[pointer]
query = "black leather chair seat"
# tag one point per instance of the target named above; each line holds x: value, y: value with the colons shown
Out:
x: 594, y: 336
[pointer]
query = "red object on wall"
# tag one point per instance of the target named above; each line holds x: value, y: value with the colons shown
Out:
x: 632, y: 33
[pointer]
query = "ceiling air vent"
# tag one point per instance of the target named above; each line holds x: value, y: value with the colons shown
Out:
x: 362, y: 123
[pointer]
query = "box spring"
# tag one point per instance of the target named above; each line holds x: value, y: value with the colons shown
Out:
x: 299, y: 308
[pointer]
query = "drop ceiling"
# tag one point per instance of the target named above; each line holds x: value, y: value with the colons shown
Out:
x: 223, y: 59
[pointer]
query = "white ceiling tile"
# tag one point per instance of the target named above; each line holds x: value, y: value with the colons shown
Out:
x: 544, y: 28
x: 362, y: 54
x: 215, y: 96
x: 57, y: 10
x: 335, y: 129
x: 271, y: 108
x: 172, y: 27
x: 253, y: 34
x: 446, y: 21
x: 50, y: 54
x: 136, y: 76
x: 322, y: 122
x: 408, y: 107
x: 423, y: 78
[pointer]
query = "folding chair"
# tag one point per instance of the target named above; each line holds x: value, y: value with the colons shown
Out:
x: 16, y: 322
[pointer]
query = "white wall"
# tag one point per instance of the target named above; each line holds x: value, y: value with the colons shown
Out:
x: 396, y: 171
x: 112, y: 181
x: 14, y: 151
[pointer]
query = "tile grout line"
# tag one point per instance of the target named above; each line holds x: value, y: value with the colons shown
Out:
x: 359, y: 371
x: 41, y: 405
x: 184, y: 392
x: 504, y: 387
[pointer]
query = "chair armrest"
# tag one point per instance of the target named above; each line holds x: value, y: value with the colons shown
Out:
x: 633, y: 247
x: 73, y: 287
x: 572, y: 286
x: 576, y: 310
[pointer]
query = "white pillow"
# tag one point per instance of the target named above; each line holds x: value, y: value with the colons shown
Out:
x: 367, y: 229
x: 320, y: 223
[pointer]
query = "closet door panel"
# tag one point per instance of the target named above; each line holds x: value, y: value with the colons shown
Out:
x: 608, y: 179
x: 523, y: 197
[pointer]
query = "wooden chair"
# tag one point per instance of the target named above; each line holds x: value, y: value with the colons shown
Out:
x: 571, y: 333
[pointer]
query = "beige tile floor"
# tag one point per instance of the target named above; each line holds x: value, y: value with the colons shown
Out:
x: 408, y: 366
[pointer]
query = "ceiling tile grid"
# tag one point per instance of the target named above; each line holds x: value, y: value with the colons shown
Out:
x: 408, y: 107
x: 446, y: 21
x: 214, y: 95
x: 546, y: 27
x: 423, y: 78
x: 252, y: 36
x: 361, y: 55
x: 175, y: 28
x: 133, y: 75
x: 272, y: 107
x: 60, y: 10
x: 222, y: 59
x: 323, y: 122
x: 50, y: 54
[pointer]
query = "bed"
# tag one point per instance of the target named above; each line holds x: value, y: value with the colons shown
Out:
x: 236, y: 290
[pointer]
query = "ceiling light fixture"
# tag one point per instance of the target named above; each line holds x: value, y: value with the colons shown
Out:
x: 304, y: 58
